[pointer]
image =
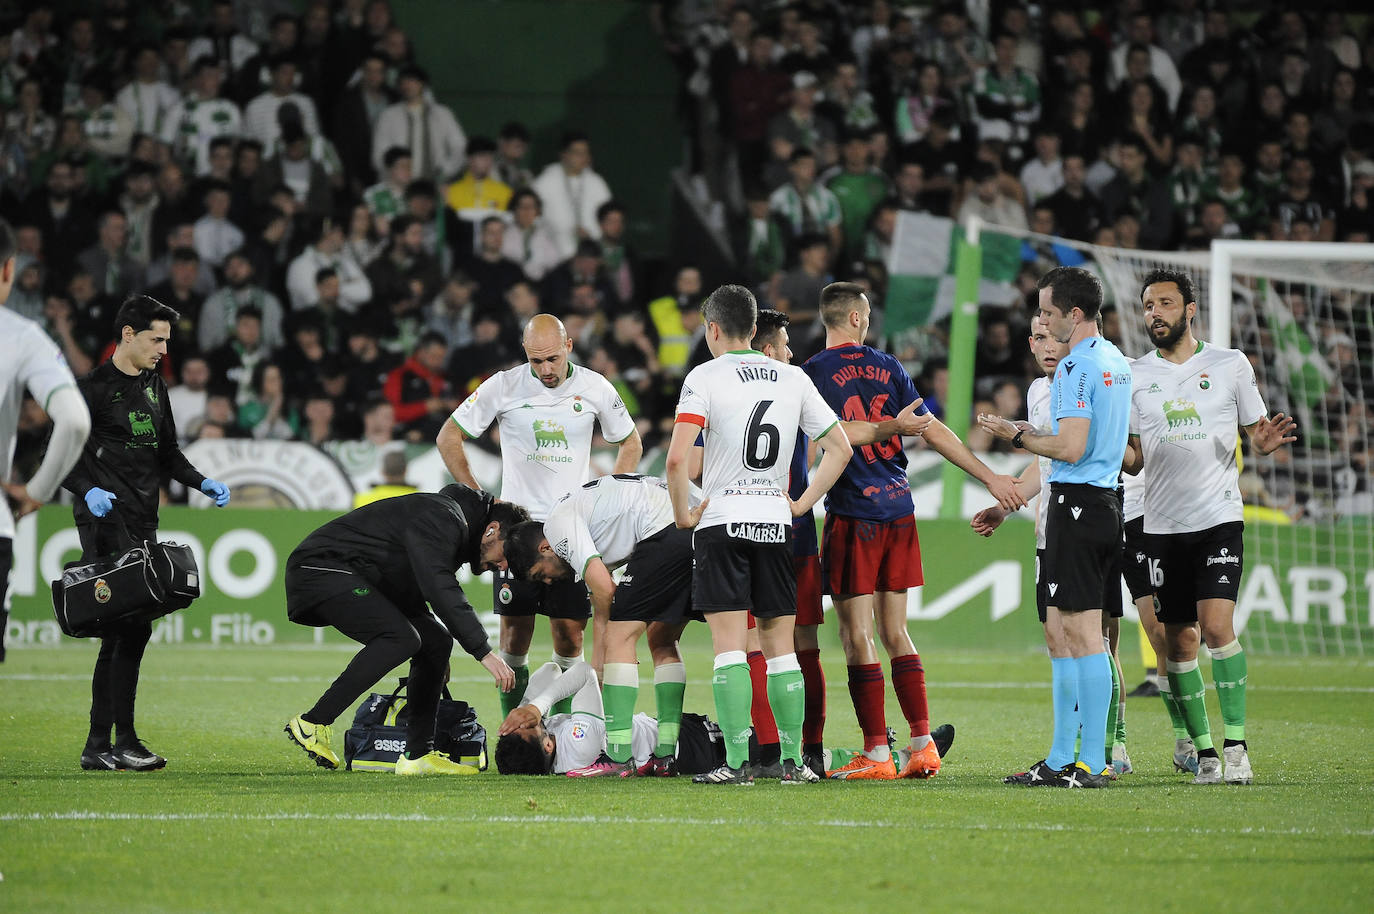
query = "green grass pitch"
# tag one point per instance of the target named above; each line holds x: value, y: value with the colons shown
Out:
x: 241, y: 821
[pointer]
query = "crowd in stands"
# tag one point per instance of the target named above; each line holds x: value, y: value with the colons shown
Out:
x: 350, y: 262
x: 1157, y: 125
x: 1134, y: 124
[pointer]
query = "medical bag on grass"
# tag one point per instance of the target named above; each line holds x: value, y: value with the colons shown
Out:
x: 378, y: 735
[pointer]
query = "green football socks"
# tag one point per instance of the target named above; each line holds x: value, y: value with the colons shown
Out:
x: 733, y: 693
x: 619, y: 692
x: 787, y: 698
x: 520, y: 665
x: 1185, y: 682
x: 1166, y: 693
x: 564, y: 706
x: 1229, y: 673
x: 670, y: 683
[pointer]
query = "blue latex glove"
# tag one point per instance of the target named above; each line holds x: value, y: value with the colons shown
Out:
x: 100, y: 501
x: 216, y: 490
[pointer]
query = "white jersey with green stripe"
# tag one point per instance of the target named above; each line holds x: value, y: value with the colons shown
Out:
x: 750, y: 408
x: 546, y: 433
x: 31, y: 362
x: 581, y: 737
x: 607, y: 518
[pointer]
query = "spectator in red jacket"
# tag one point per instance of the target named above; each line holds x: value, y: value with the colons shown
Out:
x: 418, y: 391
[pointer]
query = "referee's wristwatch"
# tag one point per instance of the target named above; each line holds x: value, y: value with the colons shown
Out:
x: 1016, y: 441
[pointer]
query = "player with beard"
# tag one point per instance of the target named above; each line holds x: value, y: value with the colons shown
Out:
x: 1189, y: 397
x: 381, y: 574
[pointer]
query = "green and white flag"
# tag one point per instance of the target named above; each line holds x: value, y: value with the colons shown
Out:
x: 1308, y: 373
x: 921, y: 268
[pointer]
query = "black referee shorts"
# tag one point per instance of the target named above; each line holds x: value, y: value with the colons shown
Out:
x: 1083, y: 535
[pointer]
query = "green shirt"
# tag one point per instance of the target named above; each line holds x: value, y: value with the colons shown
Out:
x: 858, y: 194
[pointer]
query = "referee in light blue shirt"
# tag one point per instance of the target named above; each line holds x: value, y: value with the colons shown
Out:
x: 1090, y: 406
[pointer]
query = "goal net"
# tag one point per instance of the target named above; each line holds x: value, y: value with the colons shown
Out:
x: 1304, y: 314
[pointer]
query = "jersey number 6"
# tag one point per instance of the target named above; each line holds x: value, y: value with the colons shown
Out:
x: 770, y: 443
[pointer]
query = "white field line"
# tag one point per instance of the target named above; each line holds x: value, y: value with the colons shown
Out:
x: 78, y: 815
x: 935, y: 684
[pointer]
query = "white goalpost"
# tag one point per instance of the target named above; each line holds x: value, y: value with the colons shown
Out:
x: 1304, y: 314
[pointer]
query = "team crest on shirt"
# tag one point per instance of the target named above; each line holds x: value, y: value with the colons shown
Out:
x: 504, y: 595
x: 1203, y: 382
x: 577, y: 404
x: 102, y: 591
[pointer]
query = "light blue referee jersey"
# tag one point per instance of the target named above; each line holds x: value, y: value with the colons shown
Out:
x: 1093, y: 382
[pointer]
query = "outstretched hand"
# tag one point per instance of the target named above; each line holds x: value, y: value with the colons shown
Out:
x: 503, y: 674
x: 1002, y: 428
x: 1270, y: 434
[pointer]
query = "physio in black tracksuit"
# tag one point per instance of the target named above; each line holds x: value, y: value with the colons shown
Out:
x: 370, y: 574
x: 117, y: 481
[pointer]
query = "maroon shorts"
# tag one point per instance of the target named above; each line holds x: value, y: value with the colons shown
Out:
x: 863, y: 557
x: 809, y: 609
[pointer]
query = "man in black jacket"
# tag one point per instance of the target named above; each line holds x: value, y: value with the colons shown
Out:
x: 132, y: 446
x: 369, y: 574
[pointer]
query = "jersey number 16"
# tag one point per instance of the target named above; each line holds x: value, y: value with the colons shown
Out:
x: 854, y: 411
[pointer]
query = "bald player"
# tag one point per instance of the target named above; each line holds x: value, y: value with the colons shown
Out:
x: 545, y: 412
